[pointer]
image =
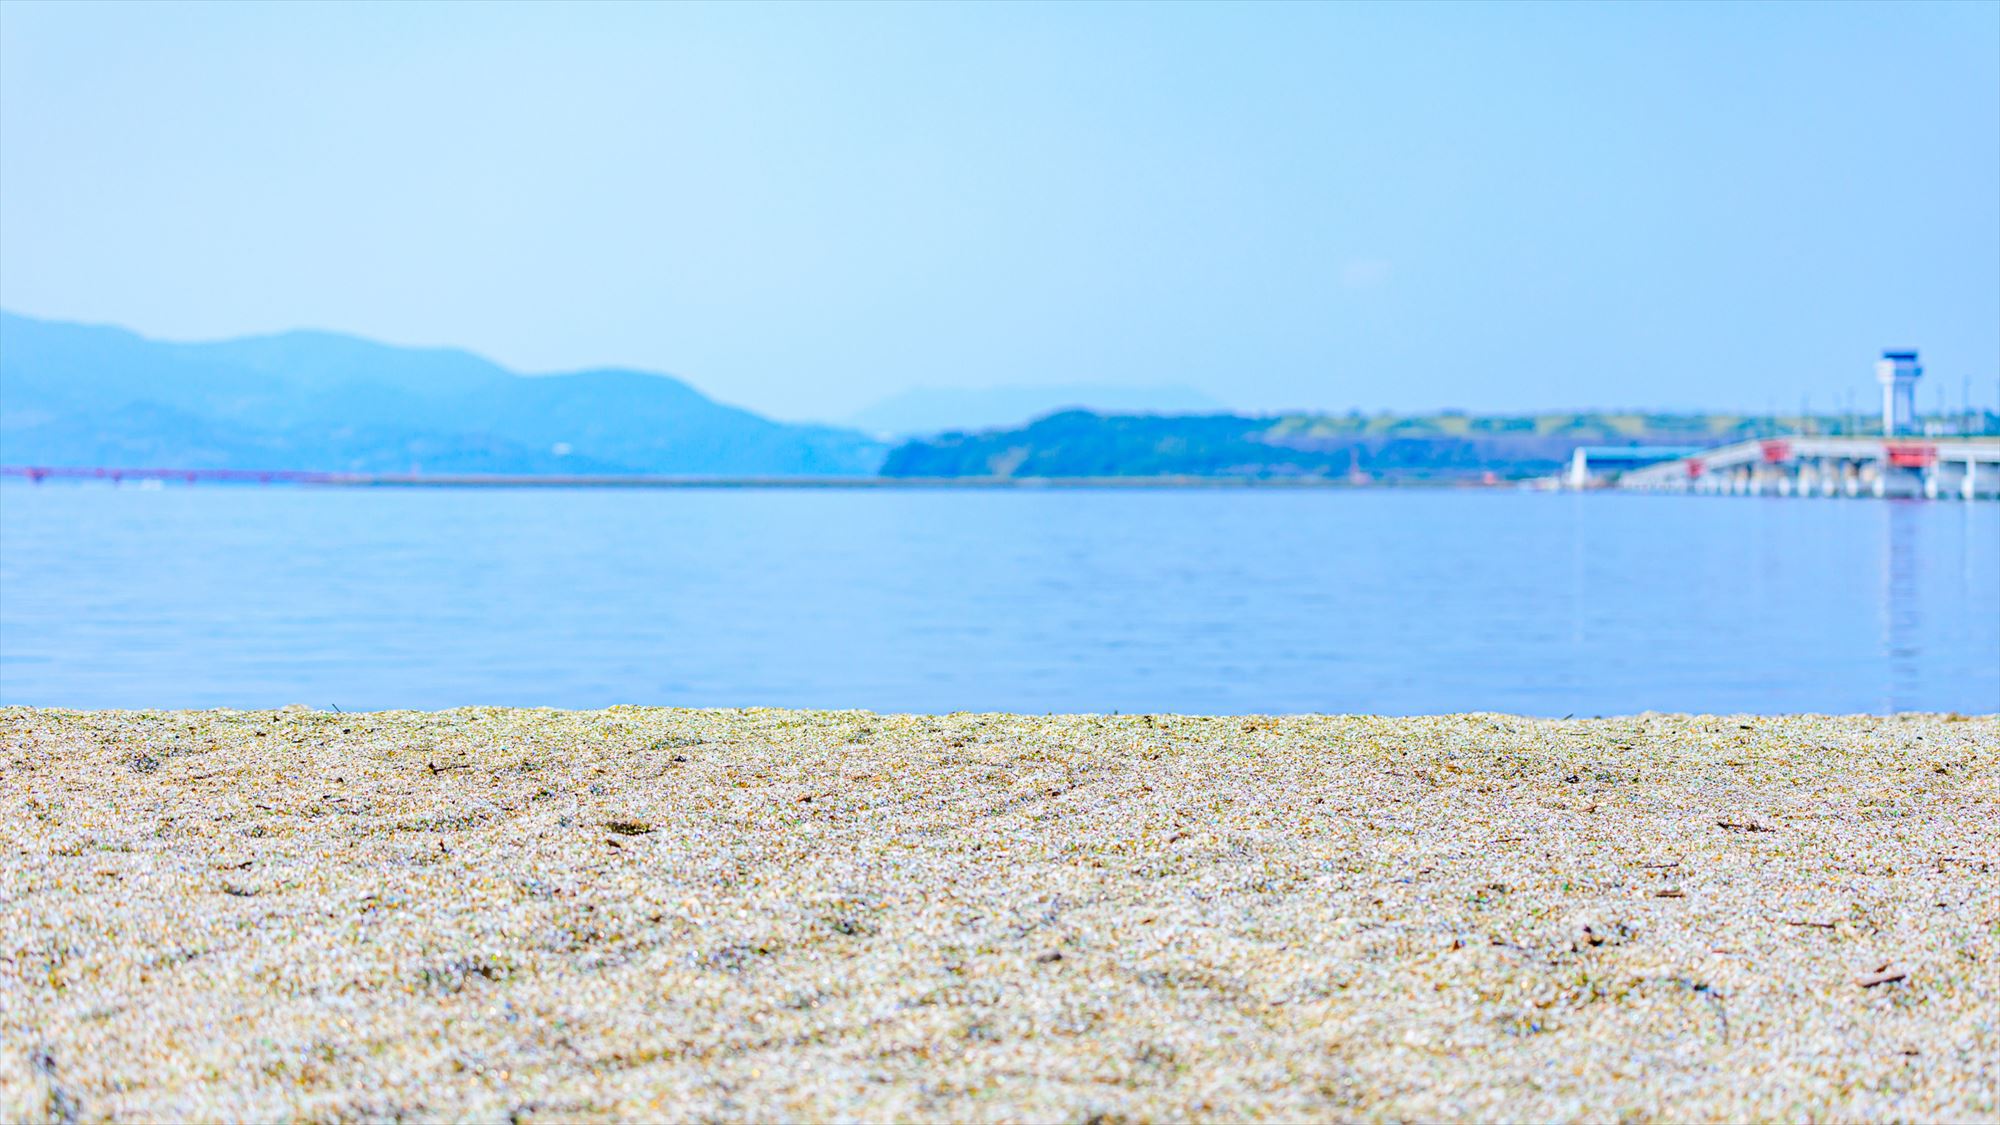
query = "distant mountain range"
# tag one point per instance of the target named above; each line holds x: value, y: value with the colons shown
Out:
x: 74, y: 394
x: 934, y: 410
x: 86, y: 395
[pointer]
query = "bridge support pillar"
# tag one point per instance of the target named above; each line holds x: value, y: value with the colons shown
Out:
x: 1945, y: 481
x: 1898, y: 481
x: 1982, y: 480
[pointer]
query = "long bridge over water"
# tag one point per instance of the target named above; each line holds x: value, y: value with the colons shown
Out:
x: 1937, y: 468
x: 1897, y: 464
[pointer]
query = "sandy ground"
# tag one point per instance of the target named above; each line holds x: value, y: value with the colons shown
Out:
x: 638, y: 913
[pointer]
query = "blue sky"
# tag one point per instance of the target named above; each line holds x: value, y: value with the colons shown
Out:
x: 807, y: 208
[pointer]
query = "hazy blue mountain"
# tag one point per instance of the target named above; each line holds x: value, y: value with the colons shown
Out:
x: 73, y: 394
x: 931, y: 410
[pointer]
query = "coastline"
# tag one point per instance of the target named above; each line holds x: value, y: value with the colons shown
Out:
x: 768, y: 914
x: 39, y: 475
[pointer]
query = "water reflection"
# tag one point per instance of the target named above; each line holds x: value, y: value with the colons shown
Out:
x: 1901, y: 610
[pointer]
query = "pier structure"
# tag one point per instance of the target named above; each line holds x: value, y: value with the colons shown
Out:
x: 1947, y: 469
x: 1899, y: 463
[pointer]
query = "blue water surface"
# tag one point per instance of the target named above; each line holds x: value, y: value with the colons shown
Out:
x: 1371, y: 600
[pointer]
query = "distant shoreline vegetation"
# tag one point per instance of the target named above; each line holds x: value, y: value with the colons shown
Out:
x: 1445, y: 446
x: 74, y: 396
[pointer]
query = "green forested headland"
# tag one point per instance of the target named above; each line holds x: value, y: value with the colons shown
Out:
x: 1442, y: 446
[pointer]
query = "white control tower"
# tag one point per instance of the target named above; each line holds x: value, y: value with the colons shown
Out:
x: 1898, y: 373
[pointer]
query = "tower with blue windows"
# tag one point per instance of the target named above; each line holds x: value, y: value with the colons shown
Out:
x: 1898, y: 373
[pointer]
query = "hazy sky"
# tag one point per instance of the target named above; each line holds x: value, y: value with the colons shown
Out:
x: 806, y: 208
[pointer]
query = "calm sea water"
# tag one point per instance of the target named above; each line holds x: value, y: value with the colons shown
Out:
x: 1193, y: 601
